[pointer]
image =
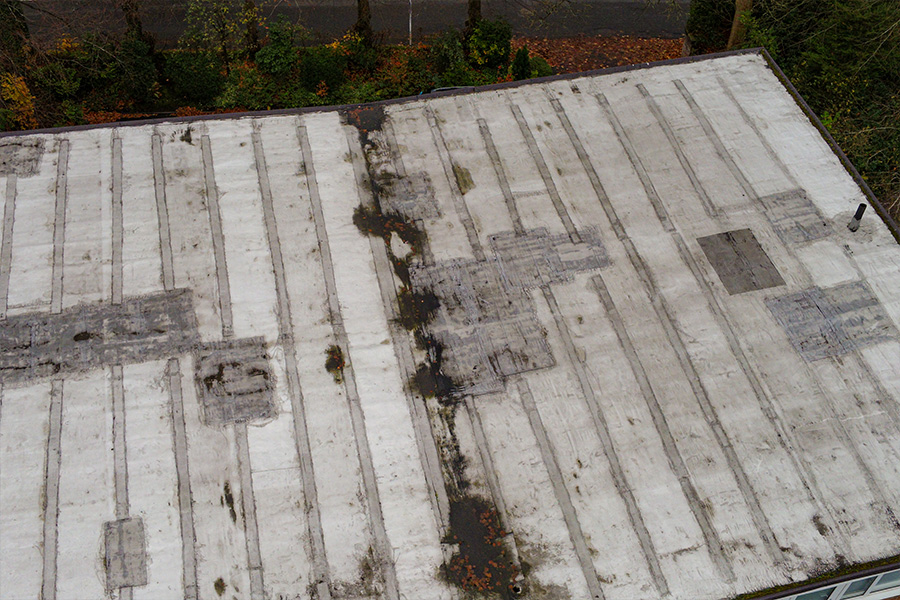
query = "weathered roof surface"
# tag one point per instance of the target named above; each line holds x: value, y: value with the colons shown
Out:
x: 677, y: 366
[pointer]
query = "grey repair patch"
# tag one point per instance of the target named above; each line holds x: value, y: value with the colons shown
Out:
x: 488, y: 327
x: 234, y: 382
x: 487, y: 322
x: 821, y: 323
x: 412, y: 196
x: 20, y: 157
x: 538, y: 258
x: 794, y: 217
x: 87, y: 337
x: 740, y: 262
x: 125, y: 553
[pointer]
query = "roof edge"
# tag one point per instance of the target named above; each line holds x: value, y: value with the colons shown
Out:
x: 892, y: 563
x: 891, y: 223
x: 388, y: 102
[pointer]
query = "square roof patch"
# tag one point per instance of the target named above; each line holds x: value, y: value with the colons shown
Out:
x: 20, y: 157
x: 826, y: 322
x: 740, y: 262
x: 234, y: 382
x: 795, y: 218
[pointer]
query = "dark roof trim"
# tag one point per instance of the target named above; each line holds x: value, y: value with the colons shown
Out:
x: 316, y: 109
x: 891, y: 223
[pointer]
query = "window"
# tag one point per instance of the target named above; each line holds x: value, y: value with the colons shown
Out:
x: 888, y: 580
x: 816, y: 595
x: 857, y: 588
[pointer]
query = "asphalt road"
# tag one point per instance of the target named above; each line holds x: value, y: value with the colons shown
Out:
x: 330, y: 18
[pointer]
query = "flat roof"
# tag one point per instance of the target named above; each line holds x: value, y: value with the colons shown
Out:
x: 674, y: 367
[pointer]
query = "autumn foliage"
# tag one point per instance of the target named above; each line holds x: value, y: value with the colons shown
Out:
x: 14, y: 91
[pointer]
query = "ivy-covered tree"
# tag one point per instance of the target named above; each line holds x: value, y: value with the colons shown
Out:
x: 473, y: 15
x: 490, y: 44
x: 226, y: 28
x: 13, y: 35
x: 363, y: 25
x: 134, y: 26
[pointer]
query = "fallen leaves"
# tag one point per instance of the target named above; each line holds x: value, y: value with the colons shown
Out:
x: 586, y: 53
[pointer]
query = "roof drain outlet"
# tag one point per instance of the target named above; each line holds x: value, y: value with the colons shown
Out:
x: 853, y: 225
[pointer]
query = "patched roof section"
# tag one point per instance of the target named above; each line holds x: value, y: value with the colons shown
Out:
x: 604, y: 336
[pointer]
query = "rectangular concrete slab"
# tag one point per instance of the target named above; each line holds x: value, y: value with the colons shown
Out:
x: 126, y: 556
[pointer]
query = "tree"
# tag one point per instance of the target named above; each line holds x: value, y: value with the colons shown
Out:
x: 742, y: 9
x: 227, y: 28
x: 133, y: 24
x: 474, y: 15
x: 13, y: 36
x: 521, y: 65
x: 363, y: 25
x: 489, y: 44
x: 250, y: 16
x: 710, y: 20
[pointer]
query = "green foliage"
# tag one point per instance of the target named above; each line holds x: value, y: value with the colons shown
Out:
x: 759, y: 36
x: 521, y: 65
x: 540, y: 67
x: 785, y: 25
x: 13, y: 34
x: 218, y: 26
x: 279, y: 55
x: 297, y: 96
x: 449, y: 65
x: 462, y: 74
x: 404, y: 71
x: 359, y: 91
x: 60, y: 79
x: 72, y: 113
x: 7, y: 119
x: 135, y: 72
x: 844, y: 58
x: 98, y: 69
x: 489, y: 44
x: 85, y: 68
x: 322, y: 65
x: 446, y: 51
x: 246, y: 88
x: 708, y: 25
x: 81, y: 78
x: 419, y: 77
x: 361, y: 56
x: 196, y: 77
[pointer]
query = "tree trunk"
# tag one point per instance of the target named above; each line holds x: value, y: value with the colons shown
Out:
x: 13, y: 35
x: 133, y: 24
x: 474, y: 7
x: 251, y: 35
x: 364, y: 21
x: 738, y: 29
